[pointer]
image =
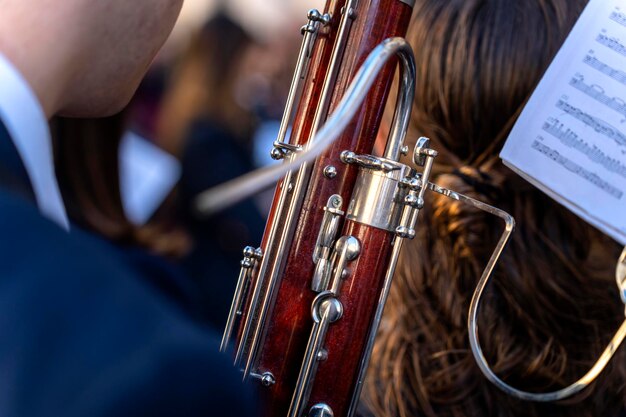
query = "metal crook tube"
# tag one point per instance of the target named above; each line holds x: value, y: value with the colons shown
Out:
x: 231, y: 192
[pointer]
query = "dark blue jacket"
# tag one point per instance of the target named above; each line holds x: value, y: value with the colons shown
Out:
x: 82, y: 334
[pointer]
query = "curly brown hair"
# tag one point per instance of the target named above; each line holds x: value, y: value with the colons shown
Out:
x: 553, y: 304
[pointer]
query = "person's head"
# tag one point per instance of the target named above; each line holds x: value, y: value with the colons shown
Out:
x: 203, y: 84
x: 477, y: 63
x: 84, y: 57
x: 553, y: 304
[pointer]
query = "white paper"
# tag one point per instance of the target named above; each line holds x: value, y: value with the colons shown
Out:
x: 147, y: 175
x: 570, y: 140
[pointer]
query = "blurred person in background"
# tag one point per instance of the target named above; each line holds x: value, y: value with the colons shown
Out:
x: 203, y: 122
x: 202, y: 87
x: 87, y: 160
x: 83, y: 334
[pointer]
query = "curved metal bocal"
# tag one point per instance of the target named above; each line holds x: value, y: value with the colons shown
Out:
x: 231, y: 192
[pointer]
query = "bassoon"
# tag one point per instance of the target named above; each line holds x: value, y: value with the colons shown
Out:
x: 306, y: 301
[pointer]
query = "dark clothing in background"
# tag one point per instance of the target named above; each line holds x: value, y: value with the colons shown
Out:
x: 212, y: 156
x: 84, y: 334
x: 168, y: 279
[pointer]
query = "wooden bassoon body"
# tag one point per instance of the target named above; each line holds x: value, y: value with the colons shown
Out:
x: 309, y: 299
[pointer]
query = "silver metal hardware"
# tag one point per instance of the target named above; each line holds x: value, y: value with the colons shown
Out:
x: 347, y: 157
x: 322, y: 355
x: 423, y: 152
x: 315, y: 16
x: 330, y: 172
x: 326, y: 304
x: 325, y: 242
x: 266, y: 378
x: 414, y: 201
x: 290, y: 202
x: 347, y: 249
x: 326, y: 309
x: 282, y: 150
x: 310, y: 30
x: 281, y: 232
x: 250, y: 257
x: 378, y: 196
x: 369, y: 162
x: 278, y: 232
x: 321, y: 410
x: 277, y: 154
x: 345, y: 26
x: 348, y: 106
x: 351, y: 9
x: 321, y: 137
x: 405, y: 232
x: 254, y: 253
x: 341, y: 117
x: 218, y: 198
x: 404, y: 151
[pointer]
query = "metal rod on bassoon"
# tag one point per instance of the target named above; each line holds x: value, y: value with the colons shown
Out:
x: 285, y: 198
x: 224, y: 195
x: 296, y: 192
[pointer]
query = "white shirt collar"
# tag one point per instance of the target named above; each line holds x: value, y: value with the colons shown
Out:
x: 26, y: 123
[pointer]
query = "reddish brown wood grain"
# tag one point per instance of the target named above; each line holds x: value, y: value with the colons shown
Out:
x: 336, y: 377
x: 289, y: 323
x: 303, y: 121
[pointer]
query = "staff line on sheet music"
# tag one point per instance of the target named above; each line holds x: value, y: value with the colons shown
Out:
x: 596, y: 92
x: 598, y: 125
x: 578, y: 170
x: 616, y: 74
x: 619, y: 17
x: 569, y: 138
x: 612, y: 43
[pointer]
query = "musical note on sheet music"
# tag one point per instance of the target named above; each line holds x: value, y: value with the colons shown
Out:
x: 570, y: 140
x: 573, y: 167
x: 597, y: 93
x: 616, y: 74
x: 619, y: 17
x: 595, y: 123
x: 612, y: 43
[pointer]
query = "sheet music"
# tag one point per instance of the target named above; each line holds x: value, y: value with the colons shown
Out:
x: 570, y: 140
